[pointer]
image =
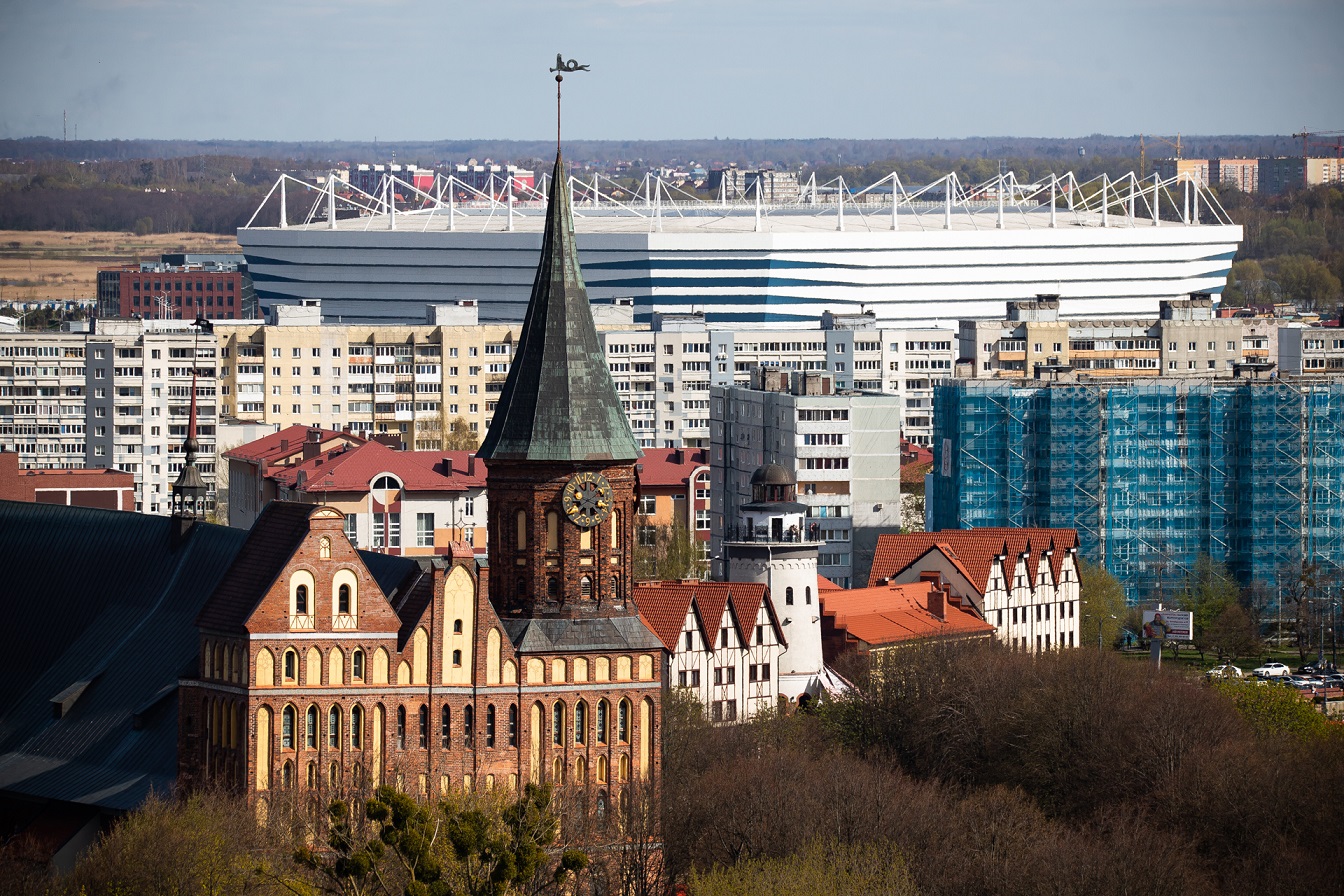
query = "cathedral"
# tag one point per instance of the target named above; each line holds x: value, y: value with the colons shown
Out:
x: 326, y: 668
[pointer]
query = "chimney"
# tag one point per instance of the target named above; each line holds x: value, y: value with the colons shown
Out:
x: 471, y: 465
x: 678, y: 456
x: 312, y: 445
x: 937, y: 602
x: 284, y: 445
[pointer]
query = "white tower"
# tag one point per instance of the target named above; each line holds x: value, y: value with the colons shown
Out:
x: 771, y: 543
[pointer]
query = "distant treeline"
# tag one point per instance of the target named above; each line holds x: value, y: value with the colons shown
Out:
x: 790, y: 154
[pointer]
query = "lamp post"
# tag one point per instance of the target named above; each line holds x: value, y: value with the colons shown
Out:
x: 1101, y: 621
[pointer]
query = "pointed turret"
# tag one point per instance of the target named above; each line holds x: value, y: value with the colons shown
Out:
x: 559, y: 403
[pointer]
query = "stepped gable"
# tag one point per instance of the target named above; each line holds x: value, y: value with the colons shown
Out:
x: 974, y: 549
x: 559, y: 403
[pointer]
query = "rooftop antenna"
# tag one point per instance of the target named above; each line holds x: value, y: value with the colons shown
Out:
x: 561, y: 68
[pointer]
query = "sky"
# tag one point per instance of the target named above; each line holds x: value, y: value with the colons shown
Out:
x: 408, y: 70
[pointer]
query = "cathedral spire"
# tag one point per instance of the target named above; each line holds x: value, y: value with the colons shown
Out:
x: 559, y: 403
x: 189, y: 490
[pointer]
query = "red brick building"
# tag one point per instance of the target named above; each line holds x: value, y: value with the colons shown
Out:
x: 215, y: 290
x: 109, y: 489
x: 323, y: 667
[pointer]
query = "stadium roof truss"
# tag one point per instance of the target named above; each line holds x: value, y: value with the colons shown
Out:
x: 948, y: 203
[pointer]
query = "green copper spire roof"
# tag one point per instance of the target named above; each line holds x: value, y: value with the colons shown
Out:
x: 558, y: 402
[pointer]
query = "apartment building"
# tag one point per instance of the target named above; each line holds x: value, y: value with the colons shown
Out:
x: 1152, y: 472
x: 119, y: 398
x: 843, y: 444
x: 415, y: 381
x: 1185, y: 339
x: 663, y: 375
x: 1311, y: 351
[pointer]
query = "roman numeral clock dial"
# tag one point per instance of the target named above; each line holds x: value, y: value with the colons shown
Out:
x: 587, y: 499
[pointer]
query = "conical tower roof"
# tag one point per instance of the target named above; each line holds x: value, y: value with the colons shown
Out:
x: 558, y: 403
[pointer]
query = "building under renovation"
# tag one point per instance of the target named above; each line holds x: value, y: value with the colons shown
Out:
x: 1152, y: 473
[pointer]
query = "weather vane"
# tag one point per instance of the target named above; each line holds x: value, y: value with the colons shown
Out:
x: 561, y: 68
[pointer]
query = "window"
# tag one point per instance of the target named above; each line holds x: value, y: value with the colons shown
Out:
x: 623, y: 722
x: 558, y: 723
x: 469, y: 726
x: 310, y: 728
x: 601, y: 733
x: 334, y: 728
x: 807, y: 592
x: 457, y: 658
x: 513, y: 724
x: 424, y: 726
x: 343, y: 601
x: 401, y: 727
x: 357, y: 727
x: 490, y: 725
x: 648, y: 504
x: 580, y: 722
x: 357, y: 665
x: 424, y: 530
x: 291, y: 665
x: 287, y: 728
x: 788, y: 596
x: 446, y: 727
x: 301, y: 600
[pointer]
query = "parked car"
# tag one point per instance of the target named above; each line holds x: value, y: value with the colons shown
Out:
x: 1226, y: 670
x: 1271, y: 670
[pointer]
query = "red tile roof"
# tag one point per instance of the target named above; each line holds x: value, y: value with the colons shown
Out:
x: 353, y: 469
x: 890, y: 614
x: 664, y: 605
x: 974, y: 548
x: 659, y: 467
x: 287, y: 441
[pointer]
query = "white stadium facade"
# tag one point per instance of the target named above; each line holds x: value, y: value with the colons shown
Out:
x: 942, y: 253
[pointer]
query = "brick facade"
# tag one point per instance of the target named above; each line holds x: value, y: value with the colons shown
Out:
x: 234, y: 733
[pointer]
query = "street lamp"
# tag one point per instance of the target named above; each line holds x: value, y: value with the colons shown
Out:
x: 1101, y: 621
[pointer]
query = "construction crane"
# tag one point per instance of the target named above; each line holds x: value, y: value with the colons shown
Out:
x: 1143, y: 151
x: 1307, y: 142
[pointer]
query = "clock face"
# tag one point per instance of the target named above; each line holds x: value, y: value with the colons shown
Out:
x: 587, y: 499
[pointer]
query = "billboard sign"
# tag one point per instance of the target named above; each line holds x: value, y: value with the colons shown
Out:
x: 1169, y: 625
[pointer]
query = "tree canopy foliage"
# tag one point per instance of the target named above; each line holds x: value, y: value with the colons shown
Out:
x: 1293, y: 249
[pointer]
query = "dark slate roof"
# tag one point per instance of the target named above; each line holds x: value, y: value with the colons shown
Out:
x: 271, y: 542
x: 99, y: 613
x: 615, y: 634
x: 558, y: 403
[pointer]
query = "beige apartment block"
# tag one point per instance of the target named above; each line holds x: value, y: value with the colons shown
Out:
x: 1185, y: 339
x: 414, y: 380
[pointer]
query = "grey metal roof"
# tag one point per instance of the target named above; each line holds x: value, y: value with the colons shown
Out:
x: 604, y: 635
x: 558, y: 403
x: 99, y: 616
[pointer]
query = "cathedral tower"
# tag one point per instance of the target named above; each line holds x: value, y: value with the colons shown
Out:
x: 560, y: 452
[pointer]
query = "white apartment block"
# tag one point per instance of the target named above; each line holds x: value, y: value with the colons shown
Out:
x: 843, y: 445
x: 664, y: 374
x: 117, y: 398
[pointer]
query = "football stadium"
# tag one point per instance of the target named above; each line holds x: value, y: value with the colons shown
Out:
x: 914, y: 256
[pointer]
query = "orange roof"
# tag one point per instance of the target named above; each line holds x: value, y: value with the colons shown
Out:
x: 975, y: 549
x: 825, y: 584
x: 890, y: 614
x: 664, y: 605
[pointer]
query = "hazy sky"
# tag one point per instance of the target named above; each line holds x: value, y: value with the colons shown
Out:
x: 422, y: 70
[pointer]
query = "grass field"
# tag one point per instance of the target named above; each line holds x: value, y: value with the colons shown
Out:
x: 40, y: 265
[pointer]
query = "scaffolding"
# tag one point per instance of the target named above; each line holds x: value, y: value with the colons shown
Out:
x: 1152, y: 473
